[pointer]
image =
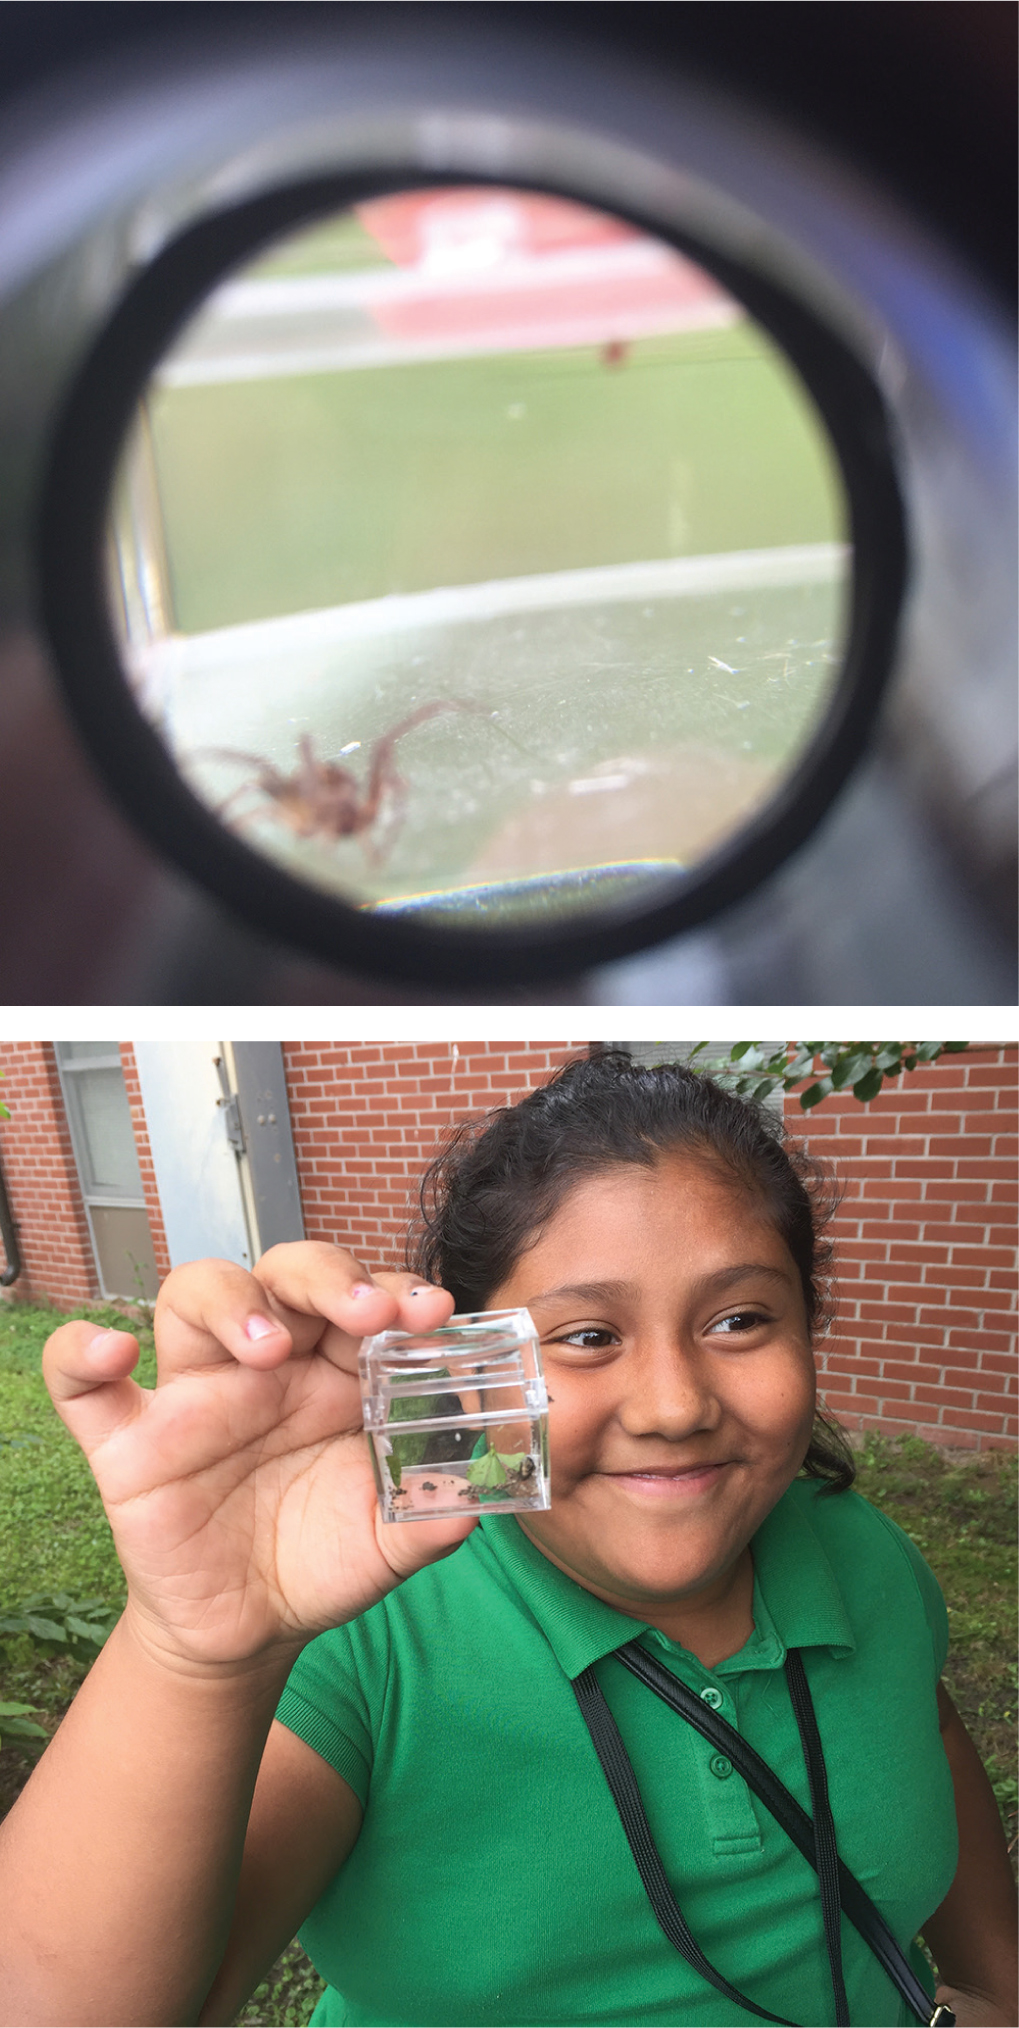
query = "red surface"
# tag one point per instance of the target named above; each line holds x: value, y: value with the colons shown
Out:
x: 463, y: 246
x: 367, y: 1117
x: 417, y: 223
x: 42, y: 1181
x: 926, y: 1248
x: 160, y: 1249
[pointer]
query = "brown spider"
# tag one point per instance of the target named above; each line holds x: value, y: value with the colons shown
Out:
x: 323, y: 800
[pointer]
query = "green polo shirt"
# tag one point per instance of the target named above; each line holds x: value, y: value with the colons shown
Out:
x: 492, y: 1882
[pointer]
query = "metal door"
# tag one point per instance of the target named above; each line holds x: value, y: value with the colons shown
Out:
x: 219, y: 1129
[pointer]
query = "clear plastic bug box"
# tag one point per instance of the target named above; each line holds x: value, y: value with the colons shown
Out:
x: 457, y: 1418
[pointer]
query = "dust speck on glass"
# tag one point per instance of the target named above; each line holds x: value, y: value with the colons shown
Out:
x: 476, y: 553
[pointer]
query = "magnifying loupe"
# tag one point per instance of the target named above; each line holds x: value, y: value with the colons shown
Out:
x: 476, y: 562
x: 479, y: 515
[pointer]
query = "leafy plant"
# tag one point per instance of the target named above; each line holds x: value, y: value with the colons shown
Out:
x: 489, y: 1473
x: 860, y: 1067
x: 17, y: 1725
x: 287, y: 1996
x: 497, y: 1470
x: 61, y: 1625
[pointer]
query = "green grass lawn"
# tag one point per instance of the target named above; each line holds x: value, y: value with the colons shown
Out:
x: 960, y: 1510
x: 285, y: 494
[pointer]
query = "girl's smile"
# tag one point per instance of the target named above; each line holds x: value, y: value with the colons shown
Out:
x: 675, y: 1341
x: 665, y: 1484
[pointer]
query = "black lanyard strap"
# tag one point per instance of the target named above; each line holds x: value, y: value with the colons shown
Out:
x: 853, y: 1899
x: 818, y: 1838
x: 627, y: 1798
x: 824, y: 1826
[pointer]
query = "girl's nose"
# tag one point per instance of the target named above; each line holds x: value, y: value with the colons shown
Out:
x: 668, y: 1393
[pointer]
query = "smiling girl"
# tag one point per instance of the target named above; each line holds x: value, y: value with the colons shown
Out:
x: 428, y: 1761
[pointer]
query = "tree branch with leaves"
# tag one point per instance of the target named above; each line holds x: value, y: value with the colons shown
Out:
x: 754, y: 1070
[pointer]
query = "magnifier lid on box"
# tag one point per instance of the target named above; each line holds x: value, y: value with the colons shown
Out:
x: 468, y: 1339
x: 546, y: 808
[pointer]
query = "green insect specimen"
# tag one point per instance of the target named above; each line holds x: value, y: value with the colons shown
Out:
x: 395, y: 1473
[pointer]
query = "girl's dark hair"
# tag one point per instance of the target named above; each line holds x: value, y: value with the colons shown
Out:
x: 498, y: 1180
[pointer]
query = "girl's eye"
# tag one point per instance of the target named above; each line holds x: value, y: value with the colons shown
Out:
x: 587, y: 1338
x: 740, y: 1320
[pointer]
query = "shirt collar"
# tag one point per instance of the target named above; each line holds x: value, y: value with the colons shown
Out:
x: 579, y: 1627
x: 794, y: 1576
x: 798, y: 1603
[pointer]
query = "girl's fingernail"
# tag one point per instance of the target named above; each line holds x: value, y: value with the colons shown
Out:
x: 423, y: 1289
x: 261, y: 1327
x: 103, y: 1338
x: 362, y: 1289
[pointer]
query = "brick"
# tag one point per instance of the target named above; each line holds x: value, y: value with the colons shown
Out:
x: 963, y: 1357
x: 887, y: 1313
x: 988, y: 1256
x: 916, y: 1332
x: 956, y: 1277
x: 898, y: 1145
x: 990, y: 1420
x: 1002, y: 1301
x: 944, y: 1397
x: 907, y: 1370
x: 978, y: 1098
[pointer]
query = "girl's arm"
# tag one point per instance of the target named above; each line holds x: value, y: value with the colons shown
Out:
x: 972, y: 1936
x: 304, y: 1822
x: 242, y: 1504
x: 120, y: 1860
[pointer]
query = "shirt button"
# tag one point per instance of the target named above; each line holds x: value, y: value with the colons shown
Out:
x: 720, y: 1766
x: 713, y: 1697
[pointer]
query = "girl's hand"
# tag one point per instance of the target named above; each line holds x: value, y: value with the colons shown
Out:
x: 240, y: 1490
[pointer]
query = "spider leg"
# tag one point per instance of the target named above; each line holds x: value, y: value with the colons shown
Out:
x: 220, y: 809
x: 251, y: 816
x: 378, y: 847
x: 383, y: 750
x: 310, y: 772
x: 229, y: 753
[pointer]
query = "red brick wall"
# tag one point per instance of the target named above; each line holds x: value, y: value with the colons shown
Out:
x: 924, y: 1338
x: 42, y: 1181
x: 160, y: 1250
x: 926, y: 1251
x: 367, y: 1117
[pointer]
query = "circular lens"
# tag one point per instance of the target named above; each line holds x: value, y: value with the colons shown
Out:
x: 476, y: 555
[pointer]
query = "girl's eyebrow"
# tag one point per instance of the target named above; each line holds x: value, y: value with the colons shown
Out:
x: 714, y: 1284
x: 586, y: 1292
x: 727, y: 1277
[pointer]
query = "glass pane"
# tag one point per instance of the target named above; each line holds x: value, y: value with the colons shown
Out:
x: 475, y: 552
x: 106, y: 1149
x: 77, y: 1052
x: 123, y: 1245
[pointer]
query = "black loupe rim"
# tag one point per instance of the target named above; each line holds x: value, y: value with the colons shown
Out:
x: 139, y: 769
